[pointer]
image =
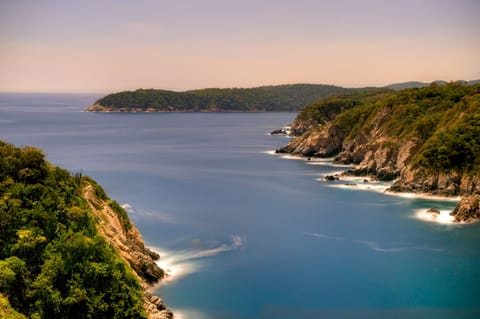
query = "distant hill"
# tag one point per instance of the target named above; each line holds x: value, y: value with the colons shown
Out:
x: 411, y: 84
x: 290, y: 97
x: 417, y: 84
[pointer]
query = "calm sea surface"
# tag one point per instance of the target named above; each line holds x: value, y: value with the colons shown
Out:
x: 246, y: 234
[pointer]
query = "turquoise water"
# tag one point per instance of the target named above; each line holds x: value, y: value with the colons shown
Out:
x: 246, y: 234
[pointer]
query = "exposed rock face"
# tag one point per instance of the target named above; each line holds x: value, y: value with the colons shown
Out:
x: 321, y: 142
x: 130, y: 245
x: 468, y: 210
x: 445, y: 184
x: 425, y: 140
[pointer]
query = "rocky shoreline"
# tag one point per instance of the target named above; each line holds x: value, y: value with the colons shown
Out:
x: 378, y: 159
x: 130, y: 246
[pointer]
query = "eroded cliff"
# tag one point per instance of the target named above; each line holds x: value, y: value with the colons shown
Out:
x: 127, y: 240
x: 425, y: 140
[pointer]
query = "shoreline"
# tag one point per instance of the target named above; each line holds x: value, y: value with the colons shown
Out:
x: 366, y: 183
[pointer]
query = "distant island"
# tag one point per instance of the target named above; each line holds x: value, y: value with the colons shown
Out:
x: 277, y: 98
x: 66, y: 249
x: 426, y: 140
x: 280, y: 98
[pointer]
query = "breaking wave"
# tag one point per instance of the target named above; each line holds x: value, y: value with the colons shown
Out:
x: 178, y: 264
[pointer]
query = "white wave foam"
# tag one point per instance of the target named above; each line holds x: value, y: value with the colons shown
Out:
x: 188, y: 314
x: 443, y: 217
x: 373, y: 245
x: 127, y: 207
x: 359, y: 184
x: 178, y: 264
x: 160, y: 216
x: 424, y: 196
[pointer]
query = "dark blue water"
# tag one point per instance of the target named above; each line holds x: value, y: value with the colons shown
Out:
x: 245, y: 234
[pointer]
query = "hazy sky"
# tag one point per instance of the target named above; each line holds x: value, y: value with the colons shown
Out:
x: 113, y: 45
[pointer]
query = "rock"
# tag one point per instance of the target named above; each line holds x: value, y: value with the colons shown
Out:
x: 331, y: 178
x: 309, y: 152
x: 365, y: 181
x: 280, y: 151
x: 278, y: 132
x: 467, y: 210
x: 433, y: 211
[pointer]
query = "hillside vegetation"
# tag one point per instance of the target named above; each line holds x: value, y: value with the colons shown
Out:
x: 267, y: 98
x: 53, y: 261
x: 427, y: 137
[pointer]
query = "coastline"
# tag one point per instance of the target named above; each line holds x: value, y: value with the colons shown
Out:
x: 128, y: 242
x: 96, y: 108
x: 341, y: 179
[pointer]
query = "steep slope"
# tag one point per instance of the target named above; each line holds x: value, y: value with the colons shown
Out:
x: 114, y: 225
x: 427, y: 139
x: 266, y: 98
x: 66, y: 250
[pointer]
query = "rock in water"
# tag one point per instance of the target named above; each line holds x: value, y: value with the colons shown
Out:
x: 433, y: 211
x: 468, y: 209
x: 278, y: 132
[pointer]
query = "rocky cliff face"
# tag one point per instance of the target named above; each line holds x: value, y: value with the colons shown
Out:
x: 425, y: 140
x: 468, y: 210
x: 130, y: 245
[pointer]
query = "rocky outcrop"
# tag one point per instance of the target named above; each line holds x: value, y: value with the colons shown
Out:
x: 468, y: 210
x: 279, y: 132
x: 129, y: 244
x: 425, y: 140
x: 321, y: 142
x: 437, y: 183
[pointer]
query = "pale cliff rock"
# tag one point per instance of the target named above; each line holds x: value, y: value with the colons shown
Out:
x: 324, y: 142
x: 468, y: 210
x: 130, y: 246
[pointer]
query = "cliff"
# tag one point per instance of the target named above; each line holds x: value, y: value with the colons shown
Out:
x: 127, y: 240
x: 426, y: 140
x: 66, y: 249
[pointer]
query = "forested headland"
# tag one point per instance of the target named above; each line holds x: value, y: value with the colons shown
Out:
x: 261, y: 99
x: 426, y: 139
x: 56, y: 259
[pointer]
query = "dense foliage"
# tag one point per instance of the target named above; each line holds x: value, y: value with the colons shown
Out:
x: 53, y: 262
x: 267, y: 98
x: 325, y: 110
x: 443, y: 120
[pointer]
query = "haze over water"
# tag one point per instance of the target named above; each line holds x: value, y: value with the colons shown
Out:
x: 245, y: 234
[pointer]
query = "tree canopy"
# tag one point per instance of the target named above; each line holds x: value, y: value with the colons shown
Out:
x: 53, y: 262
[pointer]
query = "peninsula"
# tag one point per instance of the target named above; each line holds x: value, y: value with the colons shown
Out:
x: 426, y: 140
x: 280, y: 98
x: 66, y: 249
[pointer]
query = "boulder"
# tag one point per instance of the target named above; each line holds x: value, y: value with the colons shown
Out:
x: 467, y: 210
x: 278, y: 132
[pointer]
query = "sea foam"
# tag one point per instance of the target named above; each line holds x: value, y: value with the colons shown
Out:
x: 443, y: 217
x: 178, y: 264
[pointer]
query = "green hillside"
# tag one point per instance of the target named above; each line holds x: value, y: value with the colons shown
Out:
x: 267, y: 98
x: 53, y: 261
x: 429, y: 137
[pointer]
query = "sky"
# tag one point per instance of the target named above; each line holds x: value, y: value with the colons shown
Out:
x: 103, y: 46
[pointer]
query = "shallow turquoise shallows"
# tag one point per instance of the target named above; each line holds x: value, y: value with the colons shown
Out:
x: 247, y: 234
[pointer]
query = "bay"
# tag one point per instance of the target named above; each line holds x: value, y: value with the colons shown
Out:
x: 246, y: 234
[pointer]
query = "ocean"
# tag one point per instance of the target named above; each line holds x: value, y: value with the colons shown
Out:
x: 244, y: 233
